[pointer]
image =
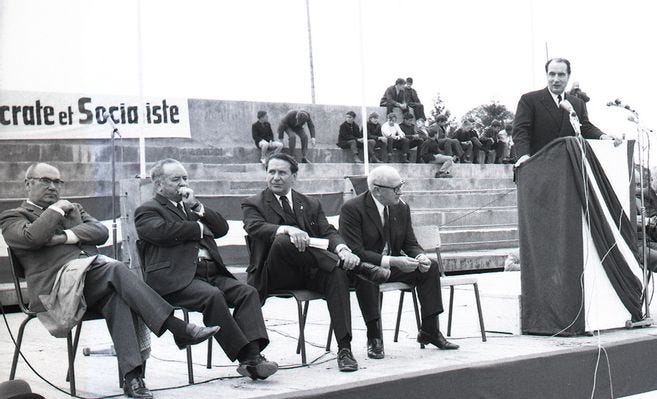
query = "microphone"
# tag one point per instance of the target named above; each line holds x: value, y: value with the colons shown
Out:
x: 574, y: 120
x: 108, y: 117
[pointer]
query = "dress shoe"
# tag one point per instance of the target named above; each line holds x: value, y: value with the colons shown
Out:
x: 438, y: 340
x: 372, y: 273
x: 195, y: 334
x: 346, y: 361
x: 258, y: 369
x: 375, y: 348
x: 135, y: 388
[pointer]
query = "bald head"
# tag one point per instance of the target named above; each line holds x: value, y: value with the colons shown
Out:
x: 41, y: 167
x: 42, y: 183
x: 384, y: 183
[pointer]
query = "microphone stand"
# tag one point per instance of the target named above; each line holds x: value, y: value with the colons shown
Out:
x: 115, y: 132
x: 647, y: 320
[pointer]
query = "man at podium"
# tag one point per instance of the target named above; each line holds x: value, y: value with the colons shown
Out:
x: 549, y: 113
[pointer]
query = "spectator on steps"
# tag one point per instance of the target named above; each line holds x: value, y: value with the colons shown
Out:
x: 394, y: 97
x: 374, y: 133
x: 467, y: 133
x: 292, y: 123
x: 263, y: 136
x: 415, y: 138
x: 413, y: 100
x: 448, y: 145
x: 349, y: 137
x: 396, y: 138
x: 491, y: 136
x: 505, y: 136
x: 430, y: 152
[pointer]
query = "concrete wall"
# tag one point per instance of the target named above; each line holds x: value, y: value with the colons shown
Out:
x: 228, y: 123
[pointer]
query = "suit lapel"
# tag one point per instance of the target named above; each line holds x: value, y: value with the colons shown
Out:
x: 299, y: 211
x: 34, y: 210
x: 555, y: 113
x: 172, y: 208
x: 373, y: 213
x: 273, y: 203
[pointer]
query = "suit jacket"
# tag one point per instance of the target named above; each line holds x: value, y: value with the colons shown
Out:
x: 28, y: 229
x: 263, y: 215
x: 362, y: 230
x: 392, y: 97
x: 171, y: 241
x: 538, y: 121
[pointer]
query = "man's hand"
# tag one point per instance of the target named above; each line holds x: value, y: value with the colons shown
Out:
x: 349, y: 259
x: 521, y: 160
x: 64, y: 205
x: 312, y: 142
x: 187, y: 195
x: 617, y: 141
x: 404, y: 263
x: 299, y: 238
x: 425, y: 263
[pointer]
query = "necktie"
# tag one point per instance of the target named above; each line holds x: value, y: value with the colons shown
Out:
x: 386, y: 230
x: 559, y: 98
x: 181, y: 209
x: 289, y: 214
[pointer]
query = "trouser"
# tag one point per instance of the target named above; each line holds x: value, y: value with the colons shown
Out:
x: 445, y: 162
x: 266, y: 146
x: 501, y: 151
x: 451, y: 147
x: 214, y: 296
x: 316, y: 270
x: 402, y: 145
x: 354, y: 145
x: 418, y: 111
x: 292, y: 134
x: 114, y: 291
x: 467, y: 151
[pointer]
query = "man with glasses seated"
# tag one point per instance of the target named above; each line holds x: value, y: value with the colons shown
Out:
x: 366, y: 224
x: 55, y: 241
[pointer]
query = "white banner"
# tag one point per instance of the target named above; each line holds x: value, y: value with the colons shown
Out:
x: 32, y: 115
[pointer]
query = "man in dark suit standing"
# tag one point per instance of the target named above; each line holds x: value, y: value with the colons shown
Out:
x: 49, y: 236
x: 366, y: 223
x: 283, y: 226
x: 182, y: 263
x: 541, y: 117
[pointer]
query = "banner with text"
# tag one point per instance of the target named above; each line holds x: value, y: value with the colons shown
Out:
x: 34, y: 115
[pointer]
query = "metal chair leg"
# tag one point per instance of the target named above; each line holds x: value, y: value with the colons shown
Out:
x: 417, y: 312
x: 451, y: 306
x: 330, y: 337
x: 71, y: 360
x: 17, y: 349
x: 481, y: 316
x: 188, y: 350
x: 399, y: 313
x: 209, y: 361
x: 75, y: 345
x: 301, y: 344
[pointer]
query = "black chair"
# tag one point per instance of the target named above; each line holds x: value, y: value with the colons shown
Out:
x: 188, y: 350
x: 18, y: 274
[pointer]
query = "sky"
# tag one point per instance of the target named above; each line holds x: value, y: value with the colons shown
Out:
x: 470, y: 51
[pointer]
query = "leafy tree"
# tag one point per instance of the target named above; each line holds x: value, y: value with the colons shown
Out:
x: 484, y: 114
x: 439, y: 108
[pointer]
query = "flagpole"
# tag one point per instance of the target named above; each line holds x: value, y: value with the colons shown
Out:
x: 310, y: 54
x: 363, y: 108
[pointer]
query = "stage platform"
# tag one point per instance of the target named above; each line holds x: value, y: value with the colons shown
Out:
x: 506, y: 366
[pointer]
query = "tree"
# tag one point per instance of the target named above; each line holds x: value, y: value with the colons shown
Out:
x: 486, y: 113
x: 439, y: 108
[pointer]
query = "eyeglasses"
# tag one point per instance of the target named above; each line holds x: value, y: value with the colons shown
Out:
x: 46, y: 181
x: 397, y: 189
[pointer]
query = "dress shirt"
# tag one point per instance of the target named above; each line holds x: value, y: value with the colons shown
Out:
x: 393, y: 131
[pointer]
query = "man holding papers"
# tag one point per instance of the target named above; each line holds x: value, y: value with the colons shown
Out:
x: 280, y: 223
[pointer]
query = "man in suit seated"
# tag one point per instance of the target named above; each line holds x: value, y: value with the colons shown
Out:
x: 182, y: 263
x: 52, y: 236
x: 366, y: 223
x: 280, y: 223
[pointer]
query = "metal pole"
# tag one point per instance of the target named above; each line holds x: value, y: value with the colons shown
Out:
x: 310, y: 54
x: 363, y: 109
x: 115, y: 251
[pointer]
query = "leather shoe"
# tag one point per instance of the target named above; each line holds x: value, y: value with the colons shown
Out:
x: 372, y: 273
x: 375, y: 348
x: 438, y: 340
x: 258, y: 369
x: 346, y: 361
x: 195, y: 334
x: 135, y: 388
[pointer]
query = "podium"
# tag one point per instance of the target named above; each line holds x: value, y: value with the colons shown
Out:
x: 578, y: 245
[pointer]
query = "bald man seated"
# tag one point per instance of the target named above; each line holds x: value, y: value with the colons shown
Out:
x: 52, y: 236
x: 366, y: 224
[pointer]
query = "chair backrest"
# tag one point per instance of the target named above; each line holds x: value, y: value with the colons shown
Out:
x: 17, y: 274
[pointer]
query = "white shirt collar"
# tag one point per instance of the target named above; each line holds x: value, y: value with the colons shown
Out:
x: 33, y: 204
x: 555, y: 99
x: 288, y: 196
